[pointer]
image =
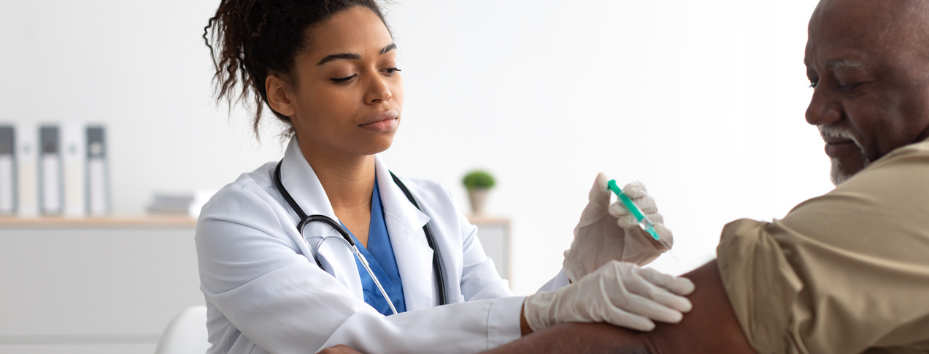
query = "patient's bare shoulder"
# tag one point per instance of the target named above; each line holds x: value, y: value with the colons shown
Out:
x: 710, y: 328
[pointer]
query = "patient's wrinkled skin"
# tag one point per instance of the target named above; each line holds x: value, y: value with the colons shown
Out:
x: 868, y: 62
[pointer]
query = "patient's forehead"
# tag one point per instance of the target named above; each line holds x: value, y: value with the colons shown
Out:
x: 874, y: 28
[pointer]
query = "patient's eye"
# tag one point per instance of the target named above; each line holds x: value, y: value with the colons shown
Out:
x: 849, y: 87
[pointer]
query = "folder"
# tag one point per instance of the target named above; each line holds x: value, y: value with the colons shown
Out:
x: 27, y: 154
x: 7, y: 172
x: 50, y: 174
x: 97, y: 172
x: 73, y: 143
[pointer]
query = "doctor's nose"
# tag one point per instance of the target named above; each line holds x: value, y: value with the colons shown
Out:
x: 377, y: 91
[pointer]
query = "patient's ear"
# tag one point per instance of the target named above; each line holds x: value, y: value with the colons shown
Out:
x: 280, y: 95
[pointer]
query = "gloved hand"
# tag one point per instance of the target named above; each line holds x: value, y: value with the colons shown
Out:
x: 621, y: 294
x: 610, y: 232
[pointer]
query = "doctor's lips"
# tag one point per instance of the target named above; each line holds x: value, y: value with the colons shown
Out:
x: 381, y: 122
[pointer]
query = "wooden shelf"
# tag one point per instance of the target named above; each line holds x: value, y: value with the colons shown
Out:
x: 108, y: 221
x: 488, y: 219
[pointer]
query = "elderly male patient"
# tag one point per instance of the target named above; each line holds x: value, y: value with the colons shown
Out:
x: 847, y: 272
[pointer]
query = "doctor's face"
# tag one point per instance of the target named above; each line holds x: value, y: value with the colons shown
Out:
x: 348, y: 93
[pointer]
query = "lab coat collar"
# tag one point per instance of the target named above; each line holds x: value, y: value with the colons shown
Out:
x: 391, y: 194
x: 303, y: 185
x: 405, y: 225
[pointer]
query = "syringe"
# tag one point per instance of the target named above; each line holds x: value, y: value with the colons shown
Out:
x: 641, y: 218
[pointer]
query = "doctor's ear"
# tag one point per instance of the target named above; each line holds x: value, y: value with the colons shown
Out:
x: 279, y: 95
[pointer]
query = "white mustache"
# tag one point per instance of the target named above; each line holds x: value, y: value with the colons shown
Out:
x: 841, y: 133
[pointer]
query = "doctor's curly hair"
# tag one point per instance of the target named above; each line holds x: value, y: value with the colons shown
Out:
x: 260, y: 37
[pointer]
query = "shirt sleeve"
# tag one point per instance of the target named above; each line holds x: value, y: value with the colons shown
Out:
x: 846, y: 272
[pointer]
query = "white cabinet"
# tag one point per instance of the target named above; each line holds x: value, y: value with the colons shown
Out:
x: 95, y: 285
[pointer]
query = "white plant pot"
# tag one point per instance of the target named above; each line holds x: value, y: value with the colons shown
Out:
x: 478, y: 198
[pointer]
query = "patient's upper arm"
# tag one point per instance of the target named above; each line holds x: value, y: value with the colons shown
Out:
x: 710, y: 328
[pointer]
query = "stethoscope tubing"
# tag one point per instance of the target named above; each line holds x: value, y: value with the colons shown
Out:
x: 306, y: 219
x: 367, y: 267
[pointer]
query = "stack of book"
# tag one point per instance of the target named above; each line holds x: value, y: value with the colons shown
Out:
x: 180, y: 203
x: 170, y: 203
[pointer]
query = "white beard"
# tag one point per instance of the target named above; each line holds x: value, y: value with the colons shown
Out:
x: 836, y: 174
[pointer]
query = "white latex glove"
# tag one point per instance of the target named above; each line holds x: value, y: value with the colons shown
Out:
x: 621, y: 294
x: 609, y: 232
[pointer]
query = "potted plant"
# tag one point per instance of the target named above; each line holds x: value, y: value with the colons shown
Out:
x: 478, y: 183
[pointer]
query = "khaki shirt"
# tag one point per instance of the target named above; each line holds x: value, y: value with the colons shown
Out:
x: 846, y: 272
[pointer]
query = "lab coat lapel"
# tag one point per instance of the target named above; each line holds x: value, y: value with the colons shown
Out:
x: 405, y: 227
x: 304, y: 187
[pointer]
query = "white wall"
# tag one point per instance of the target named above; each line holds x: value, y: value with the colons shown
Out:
x: 701, y: 100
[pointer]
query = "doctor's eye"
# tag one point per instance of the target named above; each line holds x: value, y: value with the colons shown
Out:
x: 813, y: 83
x: 340, y: 80
x: 391, y: 71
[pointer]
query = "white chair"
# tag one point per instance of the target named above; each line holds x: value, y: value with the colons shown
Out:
x: 186, y: 334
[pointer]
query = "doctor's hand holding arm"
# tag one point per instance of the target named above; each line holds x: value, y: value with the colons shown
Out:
x: 610, y: 232
x: 618, y: 293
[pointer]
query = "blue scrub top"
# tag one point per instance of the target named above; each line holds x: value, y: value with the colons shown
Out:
x: 381, y: 259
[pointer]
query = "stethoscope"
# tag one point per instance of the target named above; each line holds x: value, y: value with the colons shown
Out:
x: 306, y: 219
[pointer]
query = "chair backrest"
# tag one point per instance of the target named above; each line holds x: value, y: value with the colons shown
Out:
x: 186, y: 334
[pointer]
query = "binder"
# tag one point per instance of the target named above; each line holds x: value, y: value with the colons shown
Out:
x: 73, y: 144
x: 27, y: 154
x: 97, y: 175
x: 7, y: 172
x: 50, y: 174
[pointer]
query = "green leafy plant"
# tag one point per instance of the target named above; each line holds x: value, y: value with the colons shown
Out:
x: 478, y: 179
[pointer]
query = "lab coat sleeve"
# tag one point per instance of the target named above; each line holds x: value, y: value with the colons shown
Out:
x: 253, y: 273
x: 480, y: 281
x: 559, y: 281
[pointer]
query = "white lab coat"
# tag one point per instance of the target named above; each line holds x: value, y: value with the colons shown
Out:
x: 265, y: 293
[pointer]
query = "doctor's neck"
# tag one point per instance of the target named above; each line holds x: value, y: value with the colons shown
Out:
x: 349, y: 185
x: 347, y: 179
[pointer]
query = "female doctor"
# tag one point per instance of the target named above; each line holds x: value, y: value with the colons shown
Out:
x: 303, y: 254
